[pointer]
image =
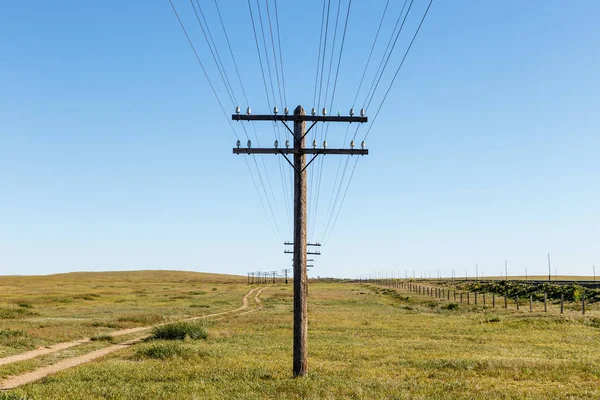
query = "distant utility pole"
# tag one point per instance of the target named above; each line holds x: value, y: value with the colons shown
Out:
x: 286, y: 271
x: 299, y: 151
x: 274, y: 276
x: 549, y: 269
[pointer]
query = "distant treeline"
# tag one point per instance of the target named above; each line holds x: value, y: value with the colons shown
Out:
x: 572, y: 292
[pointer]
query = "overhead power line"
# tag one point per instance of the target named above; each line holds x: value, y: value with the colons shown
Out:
x: 212, y: 87
x: 399, y: 68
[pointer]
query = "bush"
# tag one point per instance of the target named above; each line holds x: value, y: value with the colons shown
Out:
x: 180, y: 331
x: 161, y: 351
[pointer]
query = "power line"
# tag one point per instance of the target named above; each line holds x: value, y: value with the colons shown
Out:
x: 274, y: 54
x: 216, y: 58
x: 284, y: 182
x: 220, y: 105
x: 399, y: 67
x: 379, y: 68
x: 389, y: 54
x: 275, y: 133
x: 280, y: 53
x: 324, y: 34
x: 379, y: 109
x: 370, y: 53
x: 319, y: 55
x: 326, y: 238
x: 223, y: 73
x: 262, y: 28
x: 320, y: 162
x: 262, y: 71
x: 237, y: 71
x: 331, y: 103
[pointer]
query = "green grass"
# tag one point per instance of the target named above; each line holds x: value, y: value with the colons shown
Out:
x: 364, y: 343
x: 163, y: 350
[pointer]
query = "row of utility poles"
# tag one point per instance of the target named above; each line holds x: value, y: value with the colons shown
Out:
x: 264, y: 277
x: 478, y: 273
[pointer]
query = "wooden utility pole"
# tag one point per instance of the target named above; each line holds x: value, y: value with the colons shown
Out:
x: 299, y: 150
x: 285, y: 271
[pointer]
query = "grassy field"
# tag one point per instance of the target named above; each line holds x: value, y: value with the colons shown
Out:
x: 365, y: 342
x: 42, y: 310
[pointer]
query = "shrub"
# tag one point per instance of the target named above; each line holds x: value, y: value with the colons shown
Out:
x: 451, y: 306
x: 495, y: 318
x: 180, y: 331
x: 161, y: 351
x: 25, y: 305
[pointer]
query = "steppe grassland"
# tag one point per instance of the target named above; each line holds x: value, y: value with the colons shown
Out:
x: 42, y: 310
x: 364, y: 342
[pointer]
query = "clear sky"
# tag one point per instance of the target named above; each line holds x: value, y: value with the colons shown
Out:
x: 115, y: 155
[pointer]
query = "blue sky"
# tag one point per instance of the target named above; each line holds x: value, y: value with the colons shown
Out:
x: 114, y: 154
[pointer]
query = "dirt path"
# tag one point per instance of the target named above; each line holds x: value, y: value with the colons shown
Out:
x: 40, y: 373
x: 258, y: 302
x: 65, y: 345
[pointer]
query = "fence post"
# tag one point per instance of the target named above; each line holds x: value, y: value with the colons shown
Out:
x: 448, y: 293
x: 468, y: 297
x: 530, y: 302
x: 461, y: 297
x: 545, y: 302
x: 583, y: 304
x: 493, y: 300
x: 506, y: 301
x: 562, y: 303
x: 454, y: 294
x: 517, y: 299
x: 483, y: 299
x: 475, y: 298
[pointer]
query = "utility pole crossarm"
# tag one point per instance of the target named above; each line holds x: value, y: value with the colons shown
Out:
x: 285, y: 151
x: 298, y: 118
